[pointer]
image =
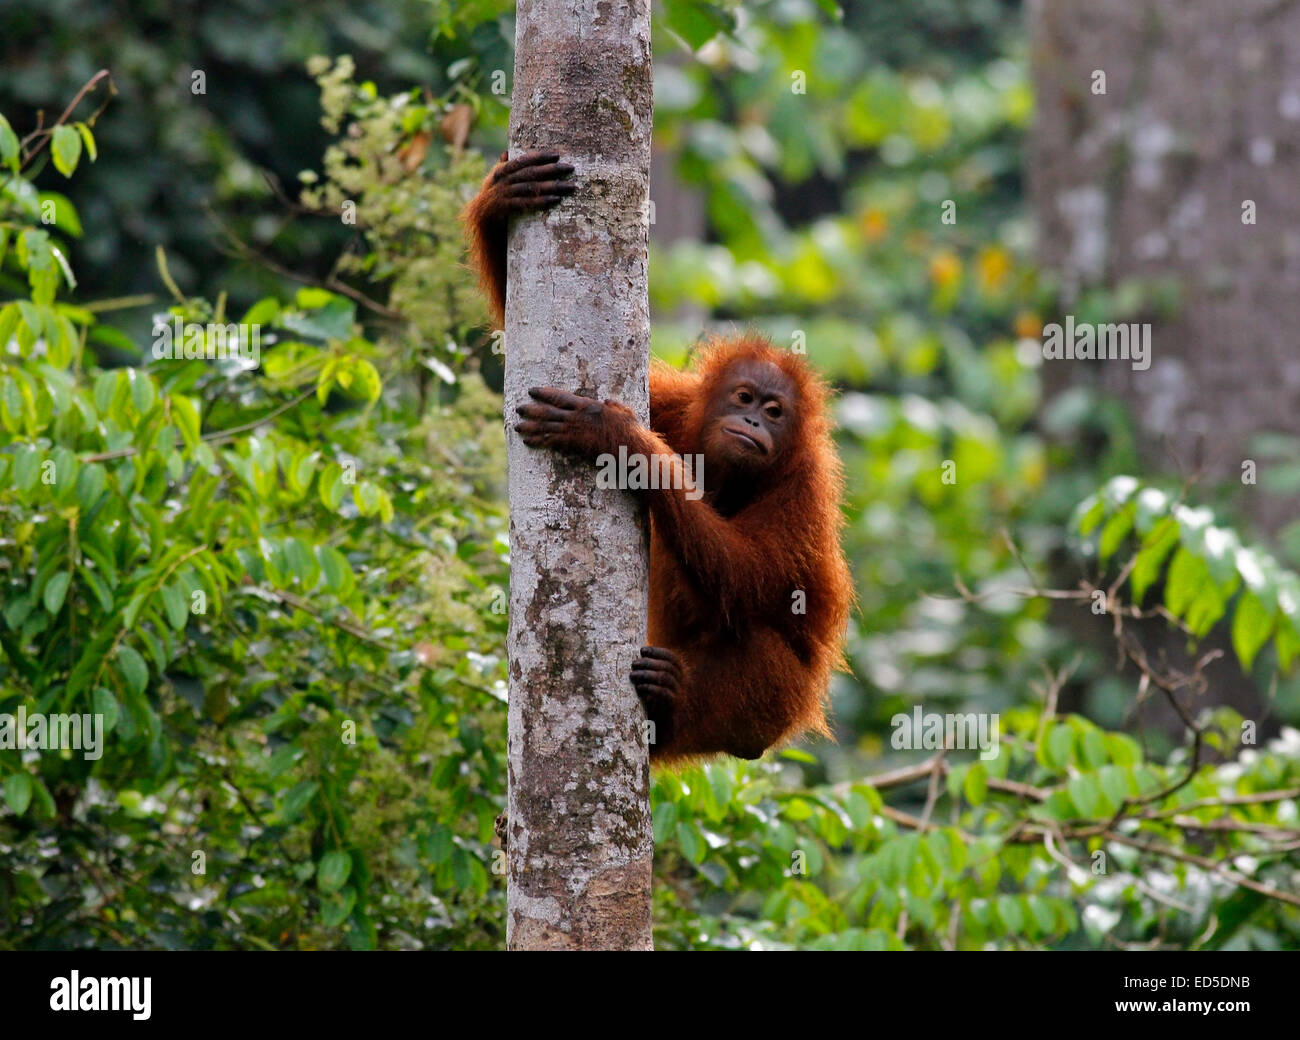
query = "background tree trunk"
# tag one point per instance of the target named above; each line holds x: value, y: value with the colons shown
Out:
x: 577, y: 316
x: 1201, y: 113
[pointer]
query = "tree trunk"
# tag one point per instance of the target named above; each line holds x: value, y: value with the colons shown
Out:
x: 1150, y: 179
x: 580, y: 845
x: 1200, y: 115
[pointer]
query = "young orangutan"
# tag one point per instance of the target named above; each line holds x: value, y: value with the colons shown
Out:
x: 749, y: 590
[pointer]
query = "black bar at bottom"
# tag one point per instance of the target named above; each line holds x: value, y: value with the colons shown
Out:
x: 240, y: 990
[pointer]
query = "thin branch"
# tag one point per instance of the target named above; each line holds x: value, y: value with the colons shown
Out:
x: 45, y: 135
x: 1205, y: 864
x: 289, y: 599
x: 243, y: 251
x: 1230, y: 799
x: 932, y: 765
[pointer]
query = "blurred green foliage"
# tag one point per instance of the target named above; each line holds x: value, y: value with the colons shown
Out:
x: 227, y: 562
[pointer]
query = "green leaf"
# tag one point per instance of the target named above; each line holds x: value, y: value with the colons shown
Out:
x: 1288, y: 598
x: 367, y: 379
x: 1252, y: 624
x: 1187, y: 577
x: 10, y: 315
x: 263, y: 312
x: 18, y: 792
x: 301, y: 562
x: 91, y: 659
x: 65, y: 144
x: 143, y: 395
x: 55, y: 591
x: 1206, y: 609
x: 88, y: 139
x: 65, y: 213
x: 1089, y: 514
x: 1085, y: 793
x: 1011, y: 914
x: 1151, y: 557
x: 105, y: 387
x: 462, y: 869
x: 300, y: 473
x: 332, y: 486
x: 111, y: 337
x: 297, y: 799
x: 102, y: 594
x: 1043, y: 914
x: 437, y: 845
x: 176, y: 604
x: 1122, y: 749
x: 16, y: 611
x: 186, y: 417
x: 1114, y: 784
x: 153, y: 644
x: 1091, y: 745
x: 720, y: 783
x: 1287, y: 641
x: 976, y: 786
x: 8, y: 144
x: 796, y: 809
x: 691, y: 841
x: 43, y: 807
x: 366, y: 497
x: 335, y: 568
x: 333, y: 870
x: 664, y: 819
x: 33, y: 316
x: 1055, y: 750
x: 133, y: 669
x: 332, y: 320
x: 1113, y: 534
x: 27, y: 465
x: 696, y: 21
x: 91, y: 481
x: 335, y: 908
x: 105, y: 704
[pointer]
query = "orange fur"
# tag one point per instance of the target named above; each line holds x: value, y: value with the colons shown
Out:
x: 722, y: 587
x: 485, y: 220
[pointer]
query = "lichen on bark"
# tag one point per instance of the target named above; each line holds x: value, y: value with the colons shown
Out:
x: 577, y: 316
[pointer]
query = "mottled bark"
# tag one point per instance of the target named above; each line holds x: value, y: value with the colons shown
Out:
x: 1201, y: 114
x: 577, y: 317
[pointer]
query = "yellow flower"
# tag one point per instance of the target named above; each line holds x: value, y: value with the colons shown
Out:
x: 945, y: 268
x: 874, y: 224
x: 994, y: 268
x: 1028, y: 325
